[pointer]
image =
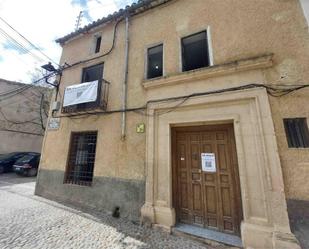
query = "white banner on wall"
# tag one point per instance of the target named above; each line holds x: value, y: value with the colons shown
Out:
x: 81, y: 93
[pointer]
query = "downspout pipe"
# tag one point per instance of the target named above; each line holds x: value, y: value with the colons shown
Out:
x: 125, y: 82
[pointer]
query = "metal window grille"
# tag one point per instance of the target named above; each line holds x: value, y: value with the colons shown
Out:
x: 81, y: 158
x: 297, y: 133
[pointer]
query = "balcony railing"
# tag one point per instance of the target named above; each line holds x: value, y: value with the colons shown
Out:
x: 99, y: 103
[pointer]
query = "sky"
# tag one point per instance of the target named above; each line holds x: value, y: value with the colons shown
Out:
x: 42, y: 22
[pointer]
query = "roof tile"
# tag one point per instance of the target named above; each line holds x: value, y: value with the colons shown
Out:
x: 134, y: 8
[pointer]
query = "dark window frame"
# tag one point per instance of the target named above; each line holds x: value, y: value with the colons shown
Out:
x: 297, y: 133
x: 98, y: 40
x: 148, y: 69
x: 80, y: 177
x: 206, y: 60
x: 83, y: 76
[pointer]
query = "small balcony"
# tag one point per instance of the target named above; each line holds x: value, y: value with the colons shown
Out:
x: 99, y: 103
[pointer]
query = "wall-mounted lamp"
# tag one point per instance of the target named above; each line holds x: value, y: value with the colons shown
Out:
x: 50, y: 68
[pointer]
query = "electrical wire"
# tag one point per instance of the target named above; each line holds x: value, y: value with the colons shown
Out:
x: 67, y: 66
x: 28, y: 85
x: 19, y: 90
x: 22, y: 132
x: 15, y: 90
x: 18, y: 122
x: 31, y: 121
x: 100, y: 56
x: 271, y: 90
x: 33, y: 45
x: 12, y: 46
x: 10, y: 95
x: 59, y: 72
x: 41, y: 116
x: 20, y: 47
x: 14, y: 43
x: 33, y: 98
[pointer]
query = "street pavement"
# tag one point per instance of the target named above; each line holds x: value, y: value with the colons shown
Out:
x: 31, y: 222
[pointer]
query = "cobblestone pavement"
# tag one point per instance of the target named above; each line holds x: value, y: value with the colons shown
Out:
x: 31, y: 222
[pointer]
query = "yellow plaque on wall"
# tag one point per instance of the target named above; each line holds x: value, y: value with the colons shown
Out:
x: 140, y: 128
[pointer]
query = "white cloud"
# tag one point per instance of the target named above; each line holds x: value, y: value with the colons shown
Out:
x: 97, y: 9
x: 41, y: 21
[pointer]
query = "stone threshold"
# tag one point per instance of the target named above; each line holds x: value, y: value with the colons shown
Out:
x: 259, y: 62
x: 208, y: 236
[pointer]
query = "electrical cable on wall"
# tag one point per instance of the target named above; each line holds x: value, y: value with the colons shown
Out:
x: 22, y: 132
x: 31, y: 121
x: 15, y: 90
x: 97, y: 57
x: 19, y: 90
x: 41, y: 116
x: 272, y: 90
x: 20, y: 124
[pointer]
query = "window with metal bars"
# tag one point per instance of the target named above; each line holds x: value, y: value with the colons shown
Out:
x: 81, y: 158
x: 297, y: 133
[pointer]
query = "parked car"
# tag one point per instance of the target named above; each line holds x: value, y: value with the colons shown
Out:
x: 28, y: 164
x: 7, y: 161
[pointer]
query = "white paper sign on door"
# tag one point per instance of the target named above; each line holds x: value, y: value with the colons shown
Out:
x: 208, y: 162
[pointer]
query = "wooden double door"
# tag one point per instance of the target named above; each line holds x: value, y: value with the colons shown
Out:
x: 206, y: 197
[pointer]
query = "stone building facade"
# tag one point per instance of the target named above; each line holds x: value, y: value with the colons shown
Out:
x: 206, y: 121
x: 23, y: 115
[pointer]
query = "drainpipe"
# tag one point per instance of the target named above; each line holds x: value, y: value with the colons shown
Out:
x: 125, y: 82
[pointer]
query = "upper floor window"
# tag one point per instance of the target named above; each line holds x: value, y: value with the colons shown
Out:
x: 155, y: 62
x: 92, y: 73
x: 297, y: 133
x: 98, y: 40
x: 90, y: 96
x: 195, y: 52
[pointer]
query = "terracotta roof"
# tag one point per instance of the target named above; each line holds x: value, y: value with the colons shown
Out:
x: 135, y: 8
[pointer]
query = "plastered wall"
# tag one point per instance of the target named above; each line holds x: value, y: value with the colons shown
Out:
x: 239, y: 30
x: 20, y: 122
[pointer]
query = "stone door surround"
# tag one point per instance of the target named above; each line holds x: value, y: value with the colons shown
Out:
x: 265, y: 224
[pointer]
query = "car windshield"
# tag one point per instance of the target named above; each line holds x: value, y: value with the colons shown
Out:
x: 6, y: 156
x: 25, y: 159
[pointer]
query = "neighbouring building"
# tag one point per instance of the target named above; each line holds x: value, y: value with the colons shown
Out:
x: 194, y: 112
x: 23, y: 115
